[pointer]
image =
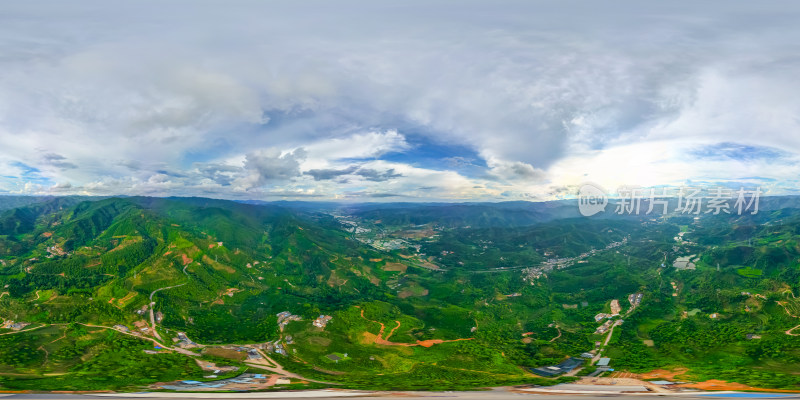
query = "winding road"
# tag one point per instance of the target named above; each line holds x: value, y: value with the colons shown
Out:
x: 424, y: 343
x: 153, y: 303
x: 782, y: 304
x: 559, y: 334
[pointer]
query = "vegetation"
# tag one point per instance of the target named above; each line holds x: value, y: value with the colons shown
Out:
x: 452, y: 306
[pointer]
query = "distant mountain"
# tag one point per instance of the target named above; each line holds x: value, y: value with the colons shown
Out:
x: 477, y: 215
x: 8, y: 202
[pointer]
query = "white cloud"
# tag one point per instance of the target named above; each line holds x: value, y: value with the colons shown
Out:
x: 268, y: 166
x: 202, y: 98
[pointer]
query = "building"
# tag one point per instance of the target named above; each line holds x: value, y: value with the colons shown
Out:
x: 285, y: 317
x: 603, y: 328
x: 547, y: 371
x: 322, y: 321
x: 333, y: 357
x: 560, y: 368
x: 662, y: 383
x: 635, y: 298
x: 603, y: 362
x: 185, y: 342
x: 18, y: 325
x: 253, y: 354
x: 599, y: 371
x: 601, y: 316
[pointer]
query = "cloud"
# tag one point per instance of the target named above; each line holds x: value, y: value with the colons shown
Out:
x: 61, y: 186
x: 58, y: 161
x: 270, y: 166
x: 326, y: 174
x: 517, y: 171
x: 273, y: 99
x: 353, y: 170
x: 377, y: 176
x: 357, y: 146
x: 220, y: 173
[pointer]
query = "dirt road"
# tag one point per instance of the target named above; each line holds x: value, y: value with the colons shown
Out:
x: 153, y: 303
x: 559, y: 334
x: 424, y: 343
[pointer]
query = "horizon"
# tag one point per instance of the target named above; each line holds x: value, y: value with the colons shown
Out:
x: 572, y: 198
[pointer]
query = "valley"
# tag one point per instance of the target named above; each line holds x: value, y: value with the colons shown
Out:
x: 203, y: 290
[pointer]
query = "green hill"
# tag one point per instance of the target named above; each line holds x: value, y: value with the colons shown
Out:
x: 445, y: 308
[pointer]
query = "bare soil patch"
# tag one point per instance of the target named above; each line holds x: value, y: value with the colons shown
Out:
x: 369, y: 338
x: 380, y: 340
x: 225, y: 353
x: 395, y: 267
x: 664, y: 374
x: 716, y: 384
x: 405, y: 293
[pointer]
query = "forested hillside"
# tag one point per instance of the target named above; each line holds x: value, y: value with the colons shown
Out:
x: 414, y: 301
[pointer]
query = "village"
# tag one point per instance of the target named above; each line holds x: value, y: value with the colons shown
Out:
x: 250, y: 355
x: 554, y: 263
x: 572, y: 365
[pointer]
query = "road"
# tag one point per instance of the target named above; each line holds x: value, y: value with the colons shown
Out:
x: 559, y: 334
x: 155, y: 341
x: 277, y: 368
x: 605, y: 343
x: 153, y: 303
x: 610, y: 332
x: 23, y: 330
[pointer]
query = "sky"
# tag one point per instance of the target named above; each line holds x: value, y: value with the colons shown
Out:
x: 396, y: 101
